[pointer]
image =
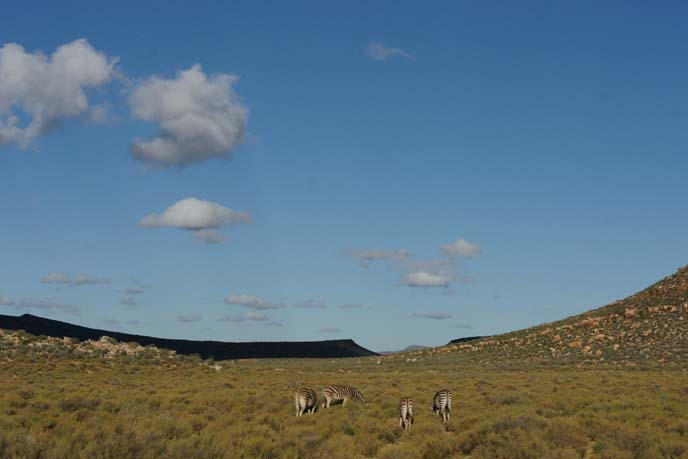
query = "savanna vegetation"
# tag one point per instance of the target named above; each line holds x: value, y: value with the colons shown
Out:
x: 59, y: 403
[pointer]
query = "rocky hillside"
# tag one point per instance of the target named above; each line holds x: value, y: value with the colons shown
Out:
x: 648, y: 327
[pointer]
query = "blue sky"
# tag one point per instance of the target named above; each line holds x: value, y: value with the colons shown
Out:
x: 551, y: 137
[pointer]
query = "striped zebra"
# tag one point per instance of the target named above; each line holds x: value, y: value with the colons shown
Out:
x: 442, y: 404
x: 341, y: 392
x: 405, y: 412
x: 306, y: 400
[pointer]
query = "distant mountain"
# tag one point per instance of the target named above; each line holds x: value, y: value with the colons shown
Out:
x: 413, y: 347
x: 648, y: 327
x: 217, y: 349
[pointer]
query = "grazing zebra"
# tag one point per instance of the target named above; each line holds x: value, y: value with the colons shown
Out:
x: 442, y: 404
x: 405, y: 412
x: 340, y: 392
x: 306, y: 400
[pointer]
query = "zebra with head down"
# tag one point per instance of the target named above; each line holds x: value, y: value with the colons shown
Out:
x: 341, y: 392
x: 306, y: 400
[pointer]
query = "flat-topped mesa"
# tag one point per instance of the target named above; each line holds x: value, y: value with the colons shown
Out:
x: 216, y: 349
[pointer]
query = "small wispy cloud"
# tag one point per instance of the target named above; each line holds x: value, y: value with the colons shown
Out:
x: 251, y: 301
x: 6, y: 301
x: 311, y: 304
x: 428, y: 279
x: 381, y: 52
x: 273, y: 323
x: 330, y: 330
x: 74, y: 281
x: 127, y: 301
x: 111, y: 322
x: 460, y: 248
x: 186, y: 318
x: 464, y: 326
x: 351, y: 306
x: 46, y: 305
x: 246, y: 317
x: 431, y: 315
x: 365, y: 257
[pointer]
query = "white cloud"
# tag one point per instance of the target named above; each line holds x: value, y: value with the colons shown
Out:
x: 250, y: 301
x: 461, y: 248
x: 428, y: 279
x: 132, y: 291
x: 245, y: 317
x: 381, y: 52
x: 199, y: 117
x: 311, y: 304
x: 6, y: 301
x: 61, y: 278
x: 331, y: 330
x: 432, y: 315
x: 47, y: 89
x: 189, y: 318
x: 198, y: 216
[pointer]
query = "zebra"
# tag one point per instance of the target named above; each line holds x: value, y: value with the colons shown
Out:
x: 306, y: 401
x: 442, y: 404
x: 405, y: 412
x: 341, y: 392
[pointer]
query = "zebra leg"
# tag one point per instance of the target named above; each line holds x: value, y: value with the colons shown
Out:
x: 401, y: 422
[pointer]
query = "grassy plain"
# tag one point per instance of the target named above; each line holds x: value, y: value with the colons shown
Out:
x: 61, y: 405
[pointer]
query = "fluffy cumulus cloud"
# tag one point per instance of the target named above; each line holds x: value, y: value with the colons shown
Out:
x: 380, y: 52
x: 460, y: 248
x: 186, y: 318
x: 39, y: 92
x: 250, y: 301
x: 432, y: 315
x: 199, y: 117
x: 246, y: 317
x: 311, y: 304
x: 74, y: 281
x: 428, y: 279
x: 201, y: 217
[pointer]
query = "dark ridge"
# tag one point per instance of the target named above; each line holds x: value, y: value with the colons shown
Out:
x: 466, y: 339
x: 217, y: 349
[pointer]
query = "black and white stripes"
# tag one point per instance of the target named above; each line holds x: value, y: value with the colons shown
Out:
x: 442, y: 403
x: 341, y: 392
x: 405, y: 412
x: 306, y: 400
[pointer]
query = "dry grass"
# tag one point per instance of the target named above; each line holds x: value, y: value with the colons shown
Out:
x: 62, y: 405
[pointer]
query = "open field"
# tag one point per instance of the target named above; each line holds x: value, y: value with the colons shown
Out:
x: 66, y: 406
